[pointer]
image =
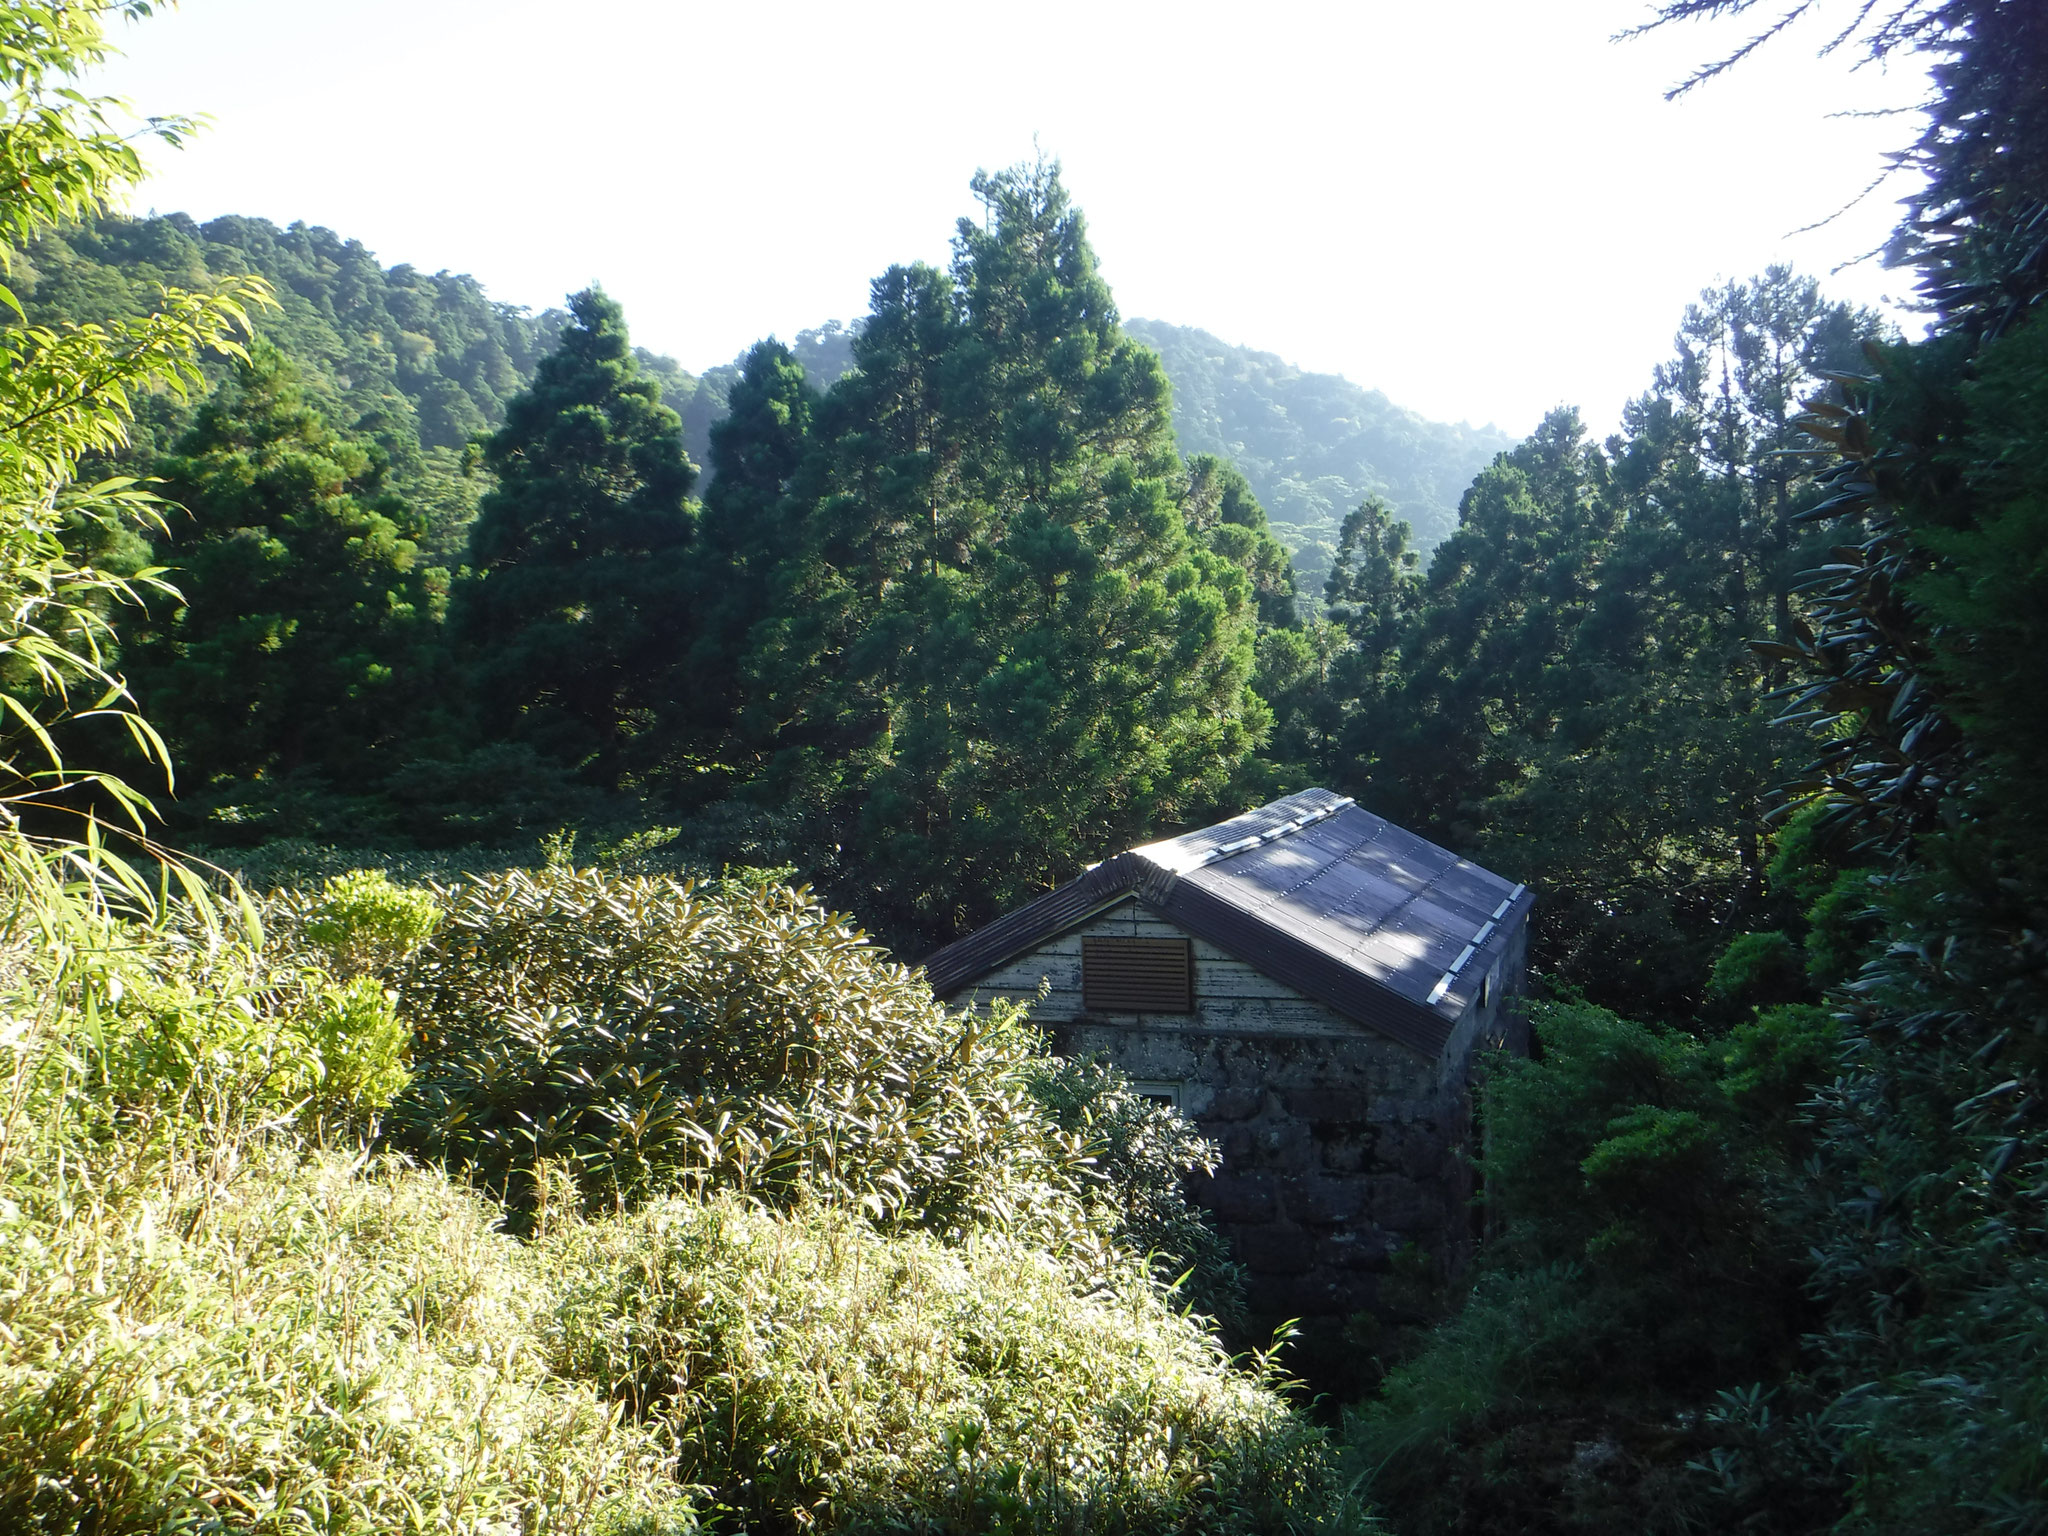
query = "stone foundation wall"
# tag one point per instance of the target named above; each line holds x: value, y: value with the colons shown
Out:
x: 1335, y: 1152
x: 1339, y: 1145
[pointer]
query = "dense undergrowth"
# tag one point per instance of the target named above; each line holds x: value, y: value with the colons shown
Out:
x: 908, y: 1304
x: 1642, y: 1267
x: 540, y: 1202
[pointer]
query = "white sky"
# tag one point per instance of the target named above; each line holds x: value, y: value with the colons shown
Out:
x: 1484, y: 208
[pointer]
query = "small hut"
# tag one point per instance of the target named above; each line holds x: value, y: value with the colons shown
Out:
x: 1309, y: 984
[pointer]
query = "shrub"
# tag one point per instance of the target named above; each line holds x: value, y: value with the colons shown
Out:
x: 358, y: 1043
x: 1771, y: 1065
x: 206, y: 1324
x: 1757, y: 969
x: 365, y: 923
x: 650, y: 1036
x: 142, y: 1031
x: 247, y: 1340
x: 813, y: 1372
x: 1142, y: 1150
x: 1638, y: 1270
x: 1841, y: 925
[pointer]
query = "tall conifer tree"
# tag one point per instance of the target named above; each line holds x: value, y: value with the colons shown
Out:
x: 997, y: 650
x: 576, y: 622
x: 749, y: 529
x: 306, y: 637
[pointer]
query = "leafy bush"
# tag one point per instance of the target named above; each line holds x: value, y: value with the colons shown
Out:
x: 366, y: 923
x: 206, y: 1323
x: 1771, y: 1065
x: 1758, y: 968
x: 1619, y: 1150
x: 1930, y: 1363
x: 811, y: 1371
x: 1840, y: 927
x: 1491, y: 1421
x: 203, y: 1323
x: 359, y: 1043
x: 650, y: 1036
x: 250, y: 1341
x: 1142, y: 1150
x: 145, y: 1031
x: 1638, y: 1269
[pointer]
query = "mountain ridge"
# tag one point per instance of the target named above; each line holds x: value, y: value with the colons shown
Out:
x: 434, y: 358
x: 1314, y: 445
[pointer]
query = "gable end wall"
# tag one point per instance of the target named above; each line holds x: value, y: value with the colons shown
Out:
x: 1339, y: 1145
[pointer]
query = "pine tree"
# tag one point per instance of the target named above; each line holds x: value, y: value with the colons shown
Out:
x: 576, y: 622
x: 306, y: 638
x: 1495, y: 618
x: 1220, y: 509
x: 1371, y: 595
x: 749, y: 529
x: 997, y: 650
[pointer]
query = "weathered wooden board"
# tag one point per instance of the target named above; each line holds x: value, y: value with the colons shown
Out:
x: 1230, y: 996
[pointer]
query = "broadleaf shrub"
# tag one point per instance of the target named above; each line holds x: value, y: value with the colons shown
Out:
x: 1142, y: 1150
x: 649, y: 1037
x: 366, y: 923
x: 208, y: 1321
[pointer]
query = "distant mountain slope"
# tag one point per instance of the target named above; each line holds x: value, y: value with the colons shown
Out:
x: 426, y: 362
x: 420, y: 364
x: 369, y: 340
x: 1314, y: 445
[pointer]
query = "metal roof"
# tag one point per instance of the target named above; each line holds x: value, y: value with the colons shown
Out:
x: 1388, y: 929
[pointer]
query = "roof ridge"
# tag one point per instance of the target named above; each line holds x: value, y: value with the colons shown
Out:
x: 1471, y: 948
x: 1222, y: 851
x: 1313, y: 876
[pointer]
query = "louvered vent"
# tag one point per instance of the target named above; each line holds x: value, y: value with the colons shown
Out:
x: 1137, y: 976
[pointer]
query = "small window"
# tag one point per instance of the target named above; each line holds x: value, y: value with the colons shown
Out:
x: 1137, y: 976
x: 1158, y: 1092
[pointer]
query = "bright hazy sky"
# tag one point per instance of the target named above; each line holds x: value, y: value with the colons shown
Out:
x: 1484, y: 208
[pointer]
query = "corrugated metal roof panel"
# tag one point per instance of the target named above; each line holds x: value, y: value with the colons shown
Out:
x: 1315, y: 891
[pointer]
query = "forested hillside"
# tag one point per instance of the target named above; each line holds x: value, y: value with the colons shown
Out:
x: 549, y: 1199
x: 603, y: 1181
x: 1314, y: 445
x: 433, y: 358
x: 388, y: 640
x: 445, y: 579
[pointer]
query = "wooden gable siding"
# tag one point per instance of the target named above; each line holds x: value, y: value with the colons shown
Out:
x: 1231, y: 997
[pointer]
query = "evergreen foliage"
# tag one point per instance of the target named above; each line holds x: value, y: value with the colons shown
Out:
x: 575, y: 619
x: 1907, y: 1108
x: 1570, y: 689
x: 1637, y: 1267
x: 412, y: 366
x: 750, y: 524
x: 992, y: 571
x: 305, y: 635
